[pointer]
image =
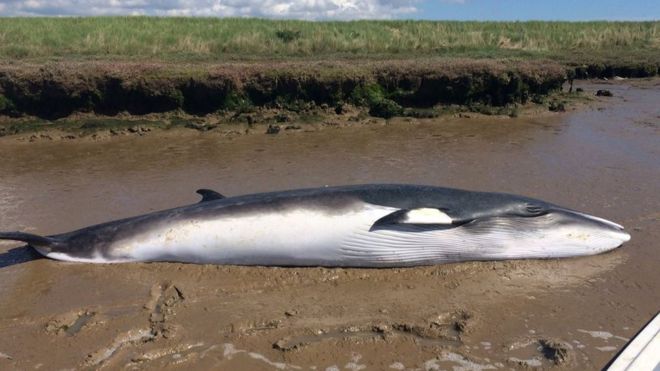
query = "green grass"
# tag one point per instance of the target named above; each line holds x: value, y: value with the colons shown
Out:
x: 211, y: 39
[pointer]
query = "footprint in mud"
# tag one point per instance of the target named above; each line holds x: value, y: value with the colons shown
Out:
x: 164, y: 298
x: 178, y: 354
x: 450, y: 360
x: 230, y: 351
x: 251, y: 327
x: 533, y: 352
x: 70, y: 323
x: 444, y: 330
x: 132, y: 337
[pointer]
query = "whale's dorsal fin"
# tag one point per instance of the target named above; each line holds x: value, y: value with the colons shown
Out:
x: 423, y: 216
x: 209, y: 195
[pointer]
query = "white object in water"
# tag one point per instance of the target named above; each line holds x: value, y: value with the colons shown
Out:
x: 643, y: 352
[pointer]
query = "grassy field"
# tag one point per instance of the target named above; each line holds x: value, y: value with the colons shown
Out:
x: 211, y: 39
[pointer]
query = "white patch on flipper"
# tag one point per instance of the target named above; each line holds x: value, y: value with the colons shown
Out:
x: 427, y: 216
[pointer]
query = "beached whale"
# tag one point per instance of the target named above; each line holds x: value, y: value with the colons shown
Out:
x: 380, y: 225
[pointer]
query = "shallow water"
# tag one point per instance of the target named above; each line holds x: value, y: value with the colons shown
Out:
x: 603, y: 160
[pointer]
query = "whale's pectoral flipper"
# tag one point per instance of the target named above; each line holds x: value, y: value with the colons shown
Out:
x: 30, y: 239
x: 209, y: 195
x: 423, y: 216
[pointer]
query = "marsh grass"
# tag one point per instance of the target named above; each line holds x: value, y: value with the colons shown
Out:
x: 191, y: 39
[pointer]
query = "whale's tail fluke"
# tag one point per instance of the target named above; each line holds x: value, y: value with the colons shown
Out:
x: 31, y: 239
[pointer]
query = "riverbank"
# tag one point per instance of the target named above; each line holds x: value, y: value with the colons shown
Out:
x: 35, y: 97
x: 56, y: 70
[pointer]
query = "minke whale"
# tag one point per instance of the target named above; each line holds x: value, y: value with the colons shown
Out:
x: 378, y: 225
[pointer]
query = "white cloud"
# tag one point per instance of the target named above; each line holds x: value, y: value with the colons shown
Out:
x: 299, y: 9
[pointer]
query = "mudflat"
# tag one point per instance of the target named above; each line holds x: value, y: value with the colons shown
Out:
x: 569, y: 313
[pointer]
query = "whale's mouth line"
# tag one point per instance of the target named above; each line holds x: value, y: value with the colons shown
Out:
x: 597, y: 219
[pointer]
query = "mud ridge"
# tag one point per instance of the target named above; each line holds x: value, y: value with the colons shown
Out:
x: 57, y: 90
x: 444, y: 330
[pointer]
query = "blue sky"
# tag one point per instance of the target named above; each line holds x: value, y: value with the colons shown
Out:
x: 569, y: 10
x: 347, y: 9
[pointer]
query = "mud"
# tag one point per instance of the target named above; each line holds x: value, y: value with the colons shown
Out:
x: 563, y: 314
x: 56, y: 90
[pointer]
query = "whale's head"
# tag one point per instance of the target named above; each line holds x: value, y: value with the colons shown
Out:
x: 554, y: 233
x: 522, y: 229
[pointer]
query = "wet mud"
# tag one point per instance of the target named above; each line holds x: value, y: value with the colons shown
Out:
x: 563, y: 314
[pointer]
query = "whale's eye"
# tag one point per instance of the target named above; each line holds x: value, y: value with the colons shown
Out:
x: 535, y: 210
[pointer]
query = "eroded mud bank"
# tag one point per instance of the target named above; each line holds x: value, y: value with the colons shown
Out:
x: 57, y: 90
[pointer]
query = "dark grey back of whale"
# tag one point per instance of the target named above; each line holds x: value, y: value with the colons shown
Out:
x: 460, y: 205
